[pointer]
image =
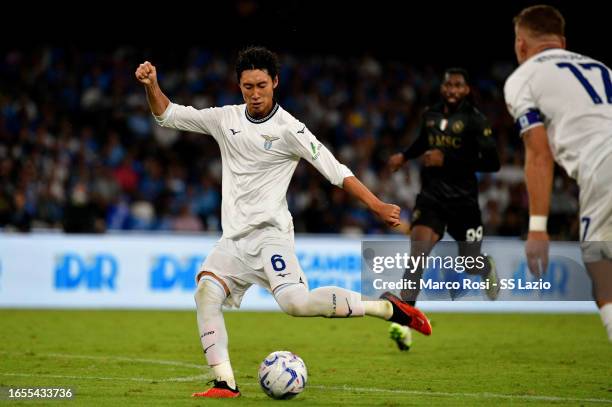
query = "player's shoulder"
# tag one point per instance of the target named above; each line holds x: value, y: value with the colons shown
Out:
x: 471, y: 109
x: 289, y: 123
x: 230, y: 113
x: 231, y: 109
x: 222, y: 111
x: 284, y: 118
x: 517, y: 79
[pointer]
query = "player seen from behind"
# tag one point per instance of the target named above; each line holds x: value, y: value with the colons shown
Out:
x: 562, y: 104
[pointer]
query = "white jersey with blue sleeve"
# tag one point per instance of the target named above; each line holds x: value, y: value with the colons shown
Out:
x: 570, y: 94
x: 259, y: 157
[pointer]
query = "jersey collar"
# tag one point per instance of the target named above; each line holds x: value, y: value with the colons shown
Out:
x: 263, y: 119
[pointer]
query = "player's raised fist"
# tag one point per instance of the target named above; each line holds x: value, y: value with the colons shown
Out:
x: 146, y: 73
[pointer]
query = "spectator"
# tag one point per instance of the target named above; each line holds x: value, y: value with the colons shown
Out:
x: 98, y: 133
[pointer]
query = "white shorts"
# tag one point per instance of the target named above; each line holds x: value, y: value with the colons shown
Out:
x: 265, y: 257
x: 596, y: 212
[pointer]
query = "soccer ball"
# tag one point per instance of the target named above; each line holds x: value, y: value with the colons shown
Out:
x: 282, y: 375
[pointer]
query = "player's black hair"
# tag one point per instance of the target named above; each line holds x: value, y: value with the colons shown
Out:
x: 457, y: 71
x: 257, y: 58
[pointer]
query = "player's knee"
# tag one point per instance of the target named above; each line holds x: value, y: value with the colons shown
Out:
x: 292, y: 306
x: 199, y: 292
x: 207, y: 291
x: 293, y: 302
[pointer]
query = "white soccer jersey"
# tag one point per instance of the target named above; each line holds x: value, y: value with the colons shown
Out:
x: 258, y: 157
x: 571, y: 94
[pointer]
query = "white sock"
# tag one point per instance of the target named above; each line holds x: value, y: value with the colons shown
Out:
x: 331, y: 302
x: 380, y: 309
x: 606, y: 318
x: 224, y: 373
x: 209, y: 296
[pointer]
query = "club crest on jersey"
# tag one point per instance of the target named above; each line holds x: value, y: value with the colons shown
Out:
x: 269, y: 140
x: 458, y: 127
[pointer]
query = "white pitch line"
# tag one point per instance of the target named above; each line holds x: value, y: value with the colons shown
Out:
x: 132, y: 379
x: 128, y: 359
x: 474, y: 395
x: 337, y: 388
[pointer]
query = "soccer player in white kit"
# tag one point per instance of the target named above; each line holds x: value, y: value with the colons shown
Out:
x: 562, y: 104
x: 260, y: 146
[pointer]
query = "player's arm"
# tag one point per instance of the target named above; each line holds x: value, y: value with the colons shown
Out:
x: 419, y: 146
x: 416, y: 149
x: 388, y: 213
x: 306, y: 145
x: 539, y: 166
x: 175, y: 116
x: 147, y: 75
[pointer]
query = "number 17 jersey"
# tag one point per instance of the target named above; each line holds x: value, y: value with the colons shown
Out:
x: 570, y: 94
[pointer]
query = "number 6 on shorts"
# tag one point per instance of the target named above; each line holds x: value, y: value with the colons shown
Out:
x: 281, y: 266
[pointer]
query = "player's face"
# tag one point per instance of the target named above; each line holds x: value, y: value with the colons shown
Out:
x: 454, y: 88
x: 257, y: 89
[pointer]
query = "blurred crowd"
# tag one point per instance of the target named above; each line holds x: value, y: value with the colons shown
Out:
x: 80, y: 152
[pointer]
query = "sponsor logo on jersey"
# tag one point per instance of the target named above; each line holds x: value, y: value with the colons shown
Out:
x: 269, y: 140
x: 444, y: 141
x: 234, y: 132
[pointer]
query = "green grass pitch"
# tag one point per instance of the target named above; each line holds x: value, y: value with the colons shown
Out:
x: 151, y: 358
